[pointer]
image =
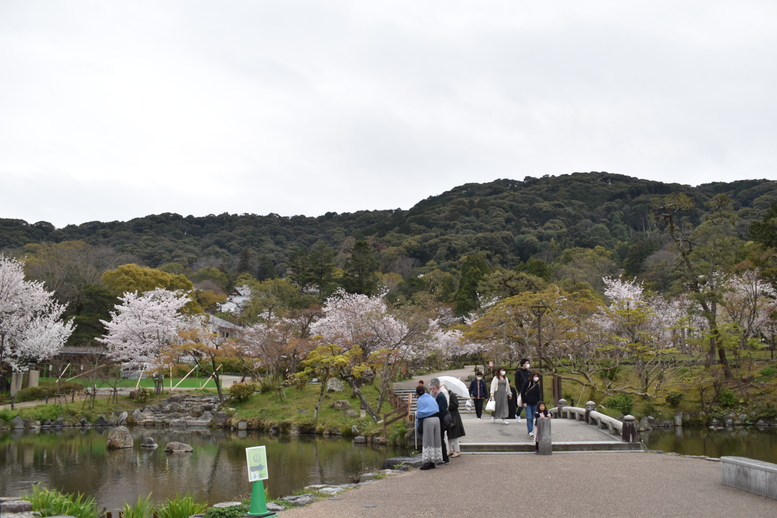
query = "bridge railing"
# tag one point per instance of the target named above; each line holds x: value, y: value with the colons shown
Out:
x: 627, y: 428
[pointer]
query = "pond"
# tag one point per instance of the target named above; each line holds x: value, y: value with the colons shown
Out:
x: 752, y: 442
x: 77, y: 461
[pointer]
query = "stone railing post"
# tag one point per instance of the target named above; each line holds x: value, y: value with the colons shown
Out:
x: 629, y: 432
x: 590, y: 406
x: 544, y: 442
x: 561, y: 404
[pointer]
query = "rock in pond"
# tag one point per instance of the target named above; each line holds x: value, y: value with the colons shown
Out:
x: 178, y: 447
x: 119, y: 438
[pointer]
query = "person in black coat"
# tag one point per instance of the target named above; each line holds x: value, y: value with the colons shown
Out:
x: 457, y: 428
x: 530, y: 396
x: 522, y: 374
x: 512, y: 411
x: 478, y: 391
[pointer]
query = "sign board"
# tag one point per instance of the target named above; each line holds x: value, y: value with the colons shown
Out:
x: 257, y: 463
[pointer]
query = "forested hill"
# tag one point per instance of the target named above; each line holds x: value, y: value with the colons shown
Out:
x: 508, y: 221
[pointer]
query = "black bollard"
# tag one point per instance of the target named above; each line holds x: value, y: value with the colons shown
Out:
x: 629, y: 432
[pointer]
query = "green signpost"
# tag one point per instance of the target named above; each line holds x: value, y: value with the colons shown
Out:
x: 257, y: 473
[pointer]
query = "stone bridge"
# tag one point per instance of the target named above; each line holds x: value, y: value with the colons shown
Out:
x: 572, y: 429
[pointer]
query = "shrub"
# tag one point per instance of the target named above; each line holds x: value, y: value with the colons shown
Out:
x: 766, y: 409
x: 50, y: 412
x: 621, y: 402
x: 180, y: 507
x: 143, y: 508
x: 50, y: 502
x: 768, y: 372
x: 142, y: 395
x: 674, y: 399
x: 6, y: 415
x: 241, y: 392
x: 727, y: 398
x: 237, y: 511
x: 48, y: 387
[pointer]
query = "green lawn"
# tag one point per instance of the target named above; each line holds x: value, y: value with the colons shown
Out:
x: 190, y: 383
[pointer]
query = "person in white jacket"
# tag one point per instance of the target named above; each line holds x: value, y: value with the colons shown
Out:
x: 500, y: 391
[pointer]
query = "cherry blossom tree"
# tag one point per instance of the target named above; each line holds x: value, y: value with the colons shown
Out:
x: 144, y: 325
x: 277, y: 345
x: 449, y: 344
x: 643, y: 330
x: 748, y: 304
x: 353, y: 321
x: 31, y: 329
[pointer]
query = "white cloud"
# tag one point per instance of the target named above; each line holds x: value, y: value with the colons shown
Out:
x: 119, y: 110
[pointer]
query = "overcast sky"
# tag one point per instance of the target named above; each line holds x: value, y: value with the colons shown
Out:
x: 113, y: 110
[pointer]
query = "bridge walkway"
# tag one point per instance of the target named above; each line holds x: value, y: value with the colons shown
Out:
x: 485, y: 436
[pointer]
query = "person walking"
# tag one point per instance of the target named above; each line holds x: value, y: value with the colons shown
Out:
x: 511, y: 403
x: 442, y: 406
x: 522, y: 374
x: 500, y: 391
x: 457, y: 428
x: 531, y: 395
x: 427, y: 419
x: 478, y: 393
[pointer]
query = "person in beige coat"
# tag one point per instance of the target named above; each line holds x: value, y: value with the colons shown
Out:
x: 500, y: 391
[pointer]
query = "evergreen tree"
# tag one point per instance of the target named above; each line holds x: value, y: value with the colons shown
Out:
x: 361, y: 270
x: 473, y: 270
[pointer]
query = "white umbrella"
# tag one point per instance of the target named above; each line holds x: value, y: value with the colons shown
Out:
x: 455, y: 385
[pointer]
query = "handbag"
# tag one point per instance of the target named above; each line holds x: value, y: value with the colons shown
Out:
x: 519, y: 401
x: 447, y: 421
x: 491, y: 405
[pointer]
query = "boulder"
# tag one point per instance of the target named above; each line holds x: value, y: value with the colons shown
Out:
x: 10, y: 506
x: 119, y: 438
x: 178, y: 447
x: 100, y: 421
x: 398, y: 462
x: 220, y: 419
x: 334, y: 385
x: 368, y: 376
x: 17, y: 423
x: 226, y: 505
x: 275, y: 508
x: 351, y: 414
x: 149, y: 443
x: 299, y: 500
x: 341, y: 404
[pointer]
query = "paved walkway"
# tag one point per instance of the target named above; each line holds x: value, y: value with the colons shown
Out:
x: 563, y: 484
x: 601, y: 484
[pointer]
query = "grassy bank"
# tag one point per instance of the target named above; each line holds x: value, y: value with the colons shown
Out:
x: 290, y: 409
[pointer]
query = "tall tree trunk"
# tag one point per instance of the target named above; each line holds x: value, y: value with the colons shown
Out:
x: 363, y: 400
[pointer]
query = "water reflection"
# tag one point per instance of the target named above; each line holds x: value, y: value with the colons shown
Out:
x: 751, y: 442
x: 77, y: 461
